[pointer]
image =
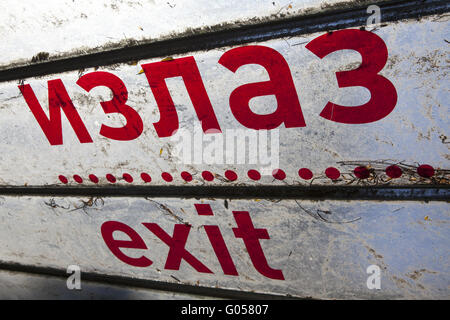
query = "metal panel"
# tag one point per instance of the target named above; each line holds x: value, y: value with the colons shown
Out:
x: 290, y: 212
x: 323, y: 249
x: 28, y: 286
x: 413, y: 134
x: 35, y: 32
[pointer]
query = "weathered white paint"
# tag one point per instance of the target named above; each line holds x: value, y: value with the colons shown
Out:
x: 323, y: 248
x: 414, y: 133
x: 70, y: 28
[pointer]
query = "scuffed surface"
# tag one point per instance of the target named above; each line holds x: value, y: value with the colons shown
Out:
x: 322, y: 247
x: 414, y: 133
x: 31, y: 31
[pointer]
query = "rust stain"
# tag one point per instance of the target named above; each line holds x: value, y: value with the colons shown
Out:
x: 91, y: 202
x: 417, y: 274
x: 169, y: 211
x: 374, y: 253
x: 400, y: 282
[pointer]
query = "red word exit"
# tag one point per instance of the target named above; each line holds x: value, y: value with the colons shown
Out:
x: 177, y: 242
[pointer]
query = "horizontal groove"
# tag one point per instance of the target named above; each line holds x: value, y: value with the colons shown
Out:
x: 145, y: 283
x: 330, y: 20
x: 385, y: 193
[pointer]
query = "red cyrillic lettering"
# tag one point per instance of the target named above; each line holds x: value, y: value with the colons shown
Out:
x: 177, y: 250
x: 251, y: 236
x: 217, y: 242
x: 280, y: 84
x: 114, y: 245
x: 117, y: 104
x: 57, y: 98
x: 374, y: 56
x: 187, y: 68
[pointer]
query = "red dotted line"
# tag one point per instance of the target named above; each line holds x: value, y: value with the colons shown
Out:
x: 393, y: 171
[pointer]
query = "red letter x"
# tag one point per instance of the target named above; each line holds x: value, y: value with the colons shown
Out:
x: 177, y: 250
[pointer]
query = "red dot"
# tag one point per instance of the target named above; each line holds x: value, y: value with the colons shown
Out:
x: 305, y: 173
x: 332, y: 173
x: 63, y: 179
x: 146, y: 177
x: 186, y: 176
x: 127, y: 177
x: 93, y: 178
x: 110, y: 178
x: 208, y: 176
x: 254, y: 175
x: 77, y: 178
x: 231, y: 175
x: 394, y: 172
x: 279, y: 174
x: 167, y: 176
x: 361, y: 172
x: 425, y: 171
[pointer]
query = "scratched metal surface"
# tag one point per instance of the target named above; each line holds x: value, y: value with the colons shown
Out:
x: 323, y: 248
x: 28, y: 286
x: 415, y: 133
x: 34, y: 32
